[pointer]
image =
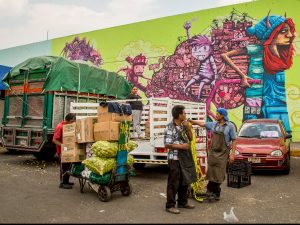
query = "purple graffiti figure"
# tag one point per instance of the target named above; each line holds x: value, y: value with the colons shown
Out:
x: 207, y: 72
x: 136, y: 71
x: 81, y: 50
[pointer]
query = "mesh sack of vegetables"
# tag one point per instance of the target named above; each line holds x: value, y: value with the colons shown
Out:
x: 100, y: 165
x: 95, y: 178
x: 109, y: 149
x: 130, y: 160
x: 76, y: 169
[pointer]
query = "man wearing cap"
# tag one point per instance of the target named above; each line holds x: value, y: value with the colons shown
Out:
x: 223, y: 137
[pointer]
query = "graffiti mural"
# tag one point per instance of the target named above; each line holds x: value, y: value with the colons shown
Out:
x: 237, y: 58
x: 82, y: 50
x: 136, y: 70
x: 262, y: 51
x: 268, y: 60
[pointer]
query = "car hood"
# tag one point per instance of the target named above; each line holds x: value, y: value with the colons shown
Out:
x: 256, y: 145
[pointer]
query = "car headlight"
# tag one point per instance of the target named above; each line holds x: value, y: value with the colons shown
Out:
x: 236, y: 152
x: 276, y: 153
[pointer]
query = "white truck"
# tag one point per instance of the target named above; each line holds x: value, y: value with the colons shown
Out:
x: 157, y: 113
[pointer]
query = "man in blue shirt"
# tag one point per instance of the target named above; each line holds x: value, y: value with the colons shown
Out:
x: 223, y: 138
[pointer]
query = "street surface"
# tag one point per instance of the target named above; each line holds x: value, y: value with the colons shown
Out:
x: 29, y: 193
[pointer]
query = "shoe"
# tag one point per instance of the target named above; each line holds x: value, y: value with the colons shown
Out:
x: 173, y: 210
x: 70, y: 183
x: 217, y: 197
x: 65, y: 186
x: 210, y: 196
x: 187, y: 206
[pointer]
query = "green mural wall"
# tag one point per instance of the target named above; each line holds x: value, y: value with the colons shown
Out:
x: 182, y: 57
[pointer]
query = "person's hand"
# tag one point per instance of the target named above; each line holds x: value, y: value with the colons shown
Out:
x: 187, y: 124
x: 231, y: 158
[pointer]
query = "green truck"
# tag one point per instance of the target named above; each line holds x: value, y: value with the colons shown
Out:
x: 39, y: 96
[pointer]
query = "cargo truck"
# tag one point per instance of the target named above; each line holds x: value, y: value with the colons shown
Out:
x: 39, y: 94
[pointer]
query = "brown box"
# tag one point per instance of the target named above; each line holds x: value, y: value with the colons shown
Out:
x: 104, y: 116
x: 69, y: 129
x: 106, y: 131
x: 85, y: 129
x: 72, y: 152
x: 69, y: 139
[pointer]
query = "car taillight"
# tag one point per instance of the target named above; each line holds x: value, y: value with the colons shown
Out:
x: 161, y: 150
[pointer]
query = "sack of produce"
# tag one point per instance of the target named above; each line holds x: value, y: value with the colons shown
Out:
x: 109, y: 149
x: 130, y: 160
x: 103, y: 165
x: 100, y: 165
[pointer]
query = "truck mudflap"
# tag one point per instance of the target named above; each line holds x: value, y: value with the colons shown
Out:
x: 22, y: 139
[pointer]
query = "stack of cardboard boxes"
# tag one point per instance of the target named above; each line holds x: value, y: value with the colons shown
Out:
x: 71, y: 151
x: 107, y: 127
x: 78, y: 137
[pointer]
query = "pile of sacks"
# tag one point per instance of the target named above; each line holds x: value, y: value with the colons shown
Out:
x: 104, y: 157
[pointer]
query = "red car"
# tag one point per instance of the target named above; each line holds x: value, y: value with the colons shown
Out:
x: 265, y: 143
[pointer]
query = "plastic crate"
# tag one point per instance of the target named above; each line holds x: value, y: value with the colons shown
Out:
x: 240, y: 168
x: 238, y: 181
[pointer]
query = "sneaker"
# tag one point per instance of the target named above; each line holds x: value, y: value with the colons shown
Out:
x: 217, y: 197
x: 65, y: 186
x: 210, y: 196
x: 186, y: 206
x: 173, y: 210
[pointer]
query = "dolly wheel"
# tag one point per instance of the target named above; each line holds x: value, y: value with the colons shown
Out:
x: 104, y: 193
x: 126, y: 189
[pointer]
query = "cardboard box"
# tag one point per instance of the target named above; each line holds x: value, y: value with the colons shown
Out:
x: 69, y: 139
x: 85, y: 129
x: 72, y: 152
x: 106, y: 131
x: 69, y: 130
x: 104, y: 116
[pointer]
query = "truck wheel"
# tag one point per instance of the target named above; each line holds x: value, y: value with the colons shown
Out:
x: 46, y: 153
x: 139, y: 166
x: 104, y: 193
x: 126, y: 189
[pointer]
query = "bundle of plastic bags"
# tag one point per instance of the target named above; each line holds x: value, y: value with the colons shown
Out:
x: 107, y: 149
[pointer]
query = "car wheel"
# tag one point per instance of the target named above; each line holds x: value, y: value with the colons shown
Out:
x: 288, y: 166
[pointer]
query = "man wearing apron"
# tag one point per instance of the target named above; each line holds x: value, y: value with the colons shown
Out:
x: 223, y: 134
x: 182, y: 171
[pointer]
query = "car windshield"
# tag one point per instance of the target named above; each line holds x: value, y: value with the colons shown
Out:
x: 261, y: 130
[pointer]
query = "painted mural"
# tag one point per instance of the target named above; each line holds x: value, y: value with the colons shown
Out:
x: 245, y: 59
x: 239, y: 63
x: 79, y: 49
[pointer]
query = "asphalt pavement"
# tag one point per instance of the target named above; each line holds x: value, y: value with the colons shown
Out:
x: 29, y: 193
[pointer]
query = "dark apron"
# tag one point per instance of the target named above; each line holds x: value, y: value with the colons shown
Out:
x: 186, y: 161
x: 217, y: 157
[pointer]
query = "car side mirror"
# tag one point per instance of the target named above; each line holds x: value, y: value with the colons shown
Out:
x: 288, y: 136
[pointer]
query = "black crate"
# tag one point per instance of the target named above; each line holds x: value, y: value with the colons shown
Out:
x: 240, y: 168
x: 238, y: 181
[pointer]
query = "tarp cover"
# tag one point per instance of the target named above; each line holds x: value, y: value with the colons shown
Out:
x: 3, y: 70
x: 66, y: 75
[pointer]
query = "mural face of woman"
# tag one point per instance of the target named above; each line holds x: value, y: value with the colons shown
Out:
x: 201, y: 52
x: 284, y: 37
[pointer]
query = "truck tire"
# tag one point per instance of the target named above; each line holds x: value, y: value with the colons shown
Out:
x: 139, y: 166
x: 46, y: 153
